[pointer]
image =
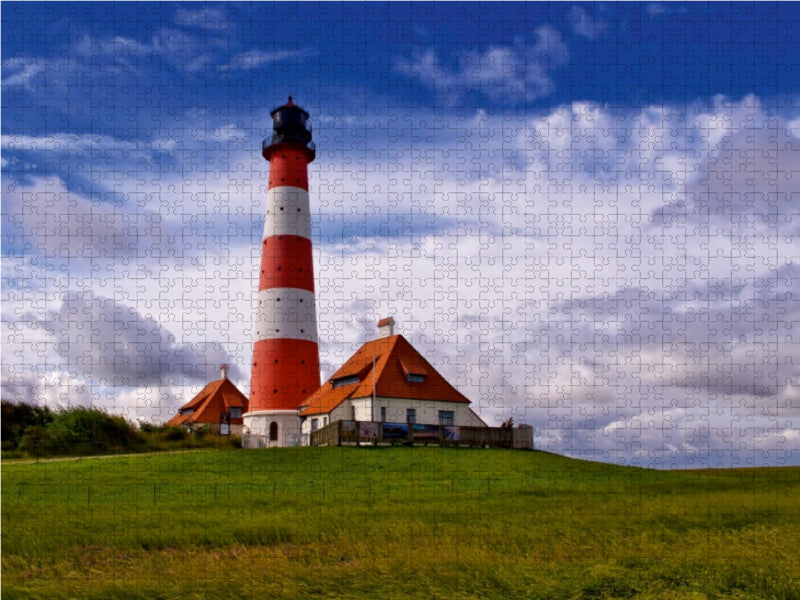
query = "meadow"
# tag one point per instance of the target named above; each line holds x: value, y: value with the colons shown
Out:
x: 394, y: 523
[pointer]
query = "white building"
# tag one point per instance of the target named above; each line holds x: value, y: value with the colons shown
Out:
x: 387, y: 380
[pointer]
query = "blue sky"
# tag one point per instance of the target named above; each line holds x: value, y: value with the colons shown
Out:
x: 586, y: 215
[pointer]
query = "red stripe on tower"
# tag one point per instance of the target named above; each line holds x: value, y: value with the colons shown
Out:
x: 285, y: 351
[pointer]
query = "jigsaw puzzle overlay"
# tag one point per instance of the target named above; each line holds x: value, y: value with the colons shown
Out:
x: 585, y: 217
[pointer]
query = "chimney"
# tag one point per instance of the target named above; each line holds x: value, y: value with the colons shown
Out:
x: 223, y: 371
x: 386, y: 327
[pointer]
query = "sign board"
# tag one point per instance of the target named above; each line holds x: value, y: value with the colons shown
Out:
x: 423, y: 432
x: 368, y: 431
x: 452, y: 434
x: 349, y: 433
x: 395, y: 431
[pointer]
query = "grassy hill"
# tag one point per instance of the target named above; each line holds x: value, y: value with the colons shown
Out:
x: 394, y: 523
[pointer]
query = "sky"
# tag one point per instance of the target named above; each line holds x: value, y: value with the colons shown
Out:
x: 585, y: 216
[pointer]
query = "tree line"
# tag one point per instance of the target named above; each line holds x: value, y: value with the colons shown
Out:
x: 36, y: 431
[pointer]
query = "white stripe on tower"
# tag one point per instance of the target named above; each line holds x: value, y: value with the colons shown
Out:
x: 287, y: 212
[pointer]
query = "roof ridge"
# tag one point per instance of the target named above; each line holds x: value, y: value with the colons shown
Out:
x: 380, y: 367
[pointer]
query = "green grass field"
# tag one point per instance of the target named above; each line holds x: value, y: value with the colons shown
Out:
x: 394, y: 523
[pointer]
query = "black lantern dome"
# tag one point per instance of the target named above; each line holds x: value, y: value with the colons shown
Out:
x: 289, y: 126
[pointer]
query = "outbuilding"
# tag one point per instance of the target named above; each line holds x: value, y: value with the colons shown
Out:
x: 219, y: 406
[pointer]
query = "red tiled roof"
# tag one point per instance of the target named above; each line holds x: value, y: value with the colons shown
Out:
x: 395, y: 359
x: 217, y: 397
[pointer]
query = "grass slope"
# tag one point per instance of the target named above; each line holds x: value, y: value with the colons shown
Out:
x: 394, y: 522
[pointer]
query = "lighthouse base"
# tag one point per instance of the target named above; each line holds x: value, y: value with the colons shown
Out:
x: 272, y: 429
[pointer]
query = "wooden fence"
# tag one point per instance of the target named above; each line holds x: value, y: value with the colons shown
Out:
x: 342, y: 433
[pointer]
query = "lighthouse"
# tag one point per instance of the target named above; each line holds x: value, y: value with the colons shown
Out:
x: 285, y: 369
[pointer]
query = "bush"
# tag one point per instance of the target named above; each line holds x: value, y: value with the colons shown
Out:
x: 90, y: 430
x: 167, y: 433
x: 35, y: 441
x: 78, y: 431
x: 175, y: 434
x: 16, y: 418
x: 34, y: 431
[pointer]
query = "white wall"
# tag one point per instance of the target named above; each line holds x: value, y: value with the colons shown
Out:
x: 427, y: 411
x: 257, y: 423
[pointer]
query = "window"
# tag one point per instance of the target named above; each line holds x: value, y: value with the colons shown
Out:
x: 411, y: 415
x: 383, y: 414
x: 352, y: 413
x: 186, y: 411
x: 447, y: 417
x: 342, y: 381
x: 314, y: 424
x: 273, y: 432
x: 324, y: 420
x: 236, y: 412
x: 415, y: 378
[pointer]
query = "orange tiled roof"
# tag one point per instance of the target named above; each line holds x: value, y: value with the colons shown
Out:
x: 217, y: 397
x: 395, y: 359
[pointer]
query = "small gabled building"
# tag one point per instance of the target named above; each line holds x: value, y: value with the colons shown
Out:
x: 387, y: 380
x: 217, y: 403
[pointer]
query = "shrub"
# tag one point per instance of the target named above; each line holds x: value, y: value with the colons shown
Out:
x: 35, y: 441
x: 17, y: 417
x: 174, y: 434
x: 35, y: 431
x: 80, y: 431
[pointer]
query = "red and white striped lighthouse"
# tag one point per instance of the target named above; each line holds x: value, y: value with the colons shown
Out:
x: 285, y: 351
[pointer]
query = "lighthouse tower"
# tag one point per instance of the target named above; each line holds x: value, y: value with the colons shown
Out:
x: 285, y: 351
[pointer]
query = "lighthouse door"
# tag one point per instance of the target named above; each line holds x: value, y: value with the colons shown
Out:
x: 273, y: 432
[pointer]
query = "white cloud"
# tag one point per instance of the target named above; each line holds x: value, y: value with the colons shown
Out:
x: 584, y: 25
x: 255, y: 58
x: 521, y: 71
x: 21, y: 71
x: 65, y: 142
x: 45, y: 215
x: 209, y: 18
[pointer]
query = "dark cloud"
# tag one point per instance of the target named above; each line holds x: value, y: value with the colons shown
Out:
x: 114, y: 345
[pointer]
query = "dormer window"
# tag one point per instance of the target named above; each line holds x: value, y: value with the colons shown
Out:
x: 342, y: 381
x: 236, y: 412
x: 186, y: 411
x: 415, y: 378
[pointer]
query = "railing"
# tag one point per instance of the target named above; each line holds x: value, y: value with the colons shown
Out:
x: 340, y: 433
